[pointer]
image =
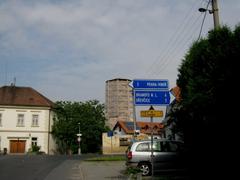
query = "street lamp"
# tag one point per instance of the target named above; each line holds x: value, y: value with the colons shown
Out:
x: 204, y: 10
x: 213, y: 11
x: 79, y: 139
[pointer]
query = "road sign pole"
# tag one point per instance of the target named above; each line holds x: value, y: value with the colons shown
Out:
x: 150, y: 92
x: 152, y: 143
x: 151, y: 118
x: 134, y: 117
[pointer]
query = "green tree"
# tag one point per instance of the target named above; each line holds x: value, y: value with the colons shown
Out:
x: 91, y: 117
x: 207, y: 77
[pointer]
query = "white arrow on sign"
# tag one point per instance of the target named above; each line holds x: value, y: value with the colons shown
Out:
x: 172, y: 97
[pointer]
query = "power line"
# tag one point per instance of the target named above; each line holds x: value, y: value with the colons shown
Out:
x: 180, y: 43
x: 204, y: 17
x: 175, y: 52
x: 160, y: 60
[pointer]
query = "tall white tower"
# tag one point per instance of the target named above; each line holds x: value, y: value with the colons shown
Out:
x: 118, y: 101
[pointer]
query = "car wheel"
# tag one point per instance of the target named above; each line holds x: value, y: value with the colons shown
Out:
x: 145, y: 169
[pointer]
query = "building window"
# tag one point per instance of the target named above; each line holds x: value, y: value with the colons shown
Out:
x: 124, y: 142
x: 34, y: 141
x: 0, y: 119
x: 35, y: 118
x: 20, y: 120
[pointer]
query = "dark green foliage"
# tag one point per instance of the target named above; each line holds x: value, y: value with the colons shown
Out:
x: 35, y: 148
x: 132, y: 170
x: 208, y: 79
x: 91, y: 117
x: 108, y: 158
x: 208, y: 74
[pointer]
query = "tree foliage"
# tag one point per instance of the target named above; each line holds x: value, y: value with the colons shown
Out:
x: 206, y: 78
x: 91, y: 117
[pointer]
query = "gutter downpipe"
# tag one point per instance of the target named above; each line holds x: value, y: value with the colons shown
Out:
x: 49, y: 116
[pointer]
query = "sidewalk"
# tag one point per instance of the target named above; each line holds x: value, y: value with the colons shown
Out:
x: 103, y: 170
x: 115, y: 170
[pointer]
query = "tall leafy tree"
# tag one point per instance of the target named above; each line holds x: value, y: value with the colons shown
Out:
x: 207, y: 78
x: 91, y: 117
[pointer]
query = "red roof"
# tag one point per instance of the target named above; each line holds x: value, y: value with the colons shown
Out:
x: 144, y: 127
x: 23, y: 96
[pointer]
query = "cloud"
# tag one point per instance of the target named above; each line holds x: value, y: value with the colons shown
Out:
x: 69, y: 48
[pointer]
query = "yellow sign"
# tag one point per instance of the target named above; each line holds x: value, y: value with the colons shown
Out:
x: 151, y: 113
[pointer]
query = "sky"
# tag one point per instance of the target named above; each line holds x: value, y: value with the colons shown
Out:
x: 68, y: 49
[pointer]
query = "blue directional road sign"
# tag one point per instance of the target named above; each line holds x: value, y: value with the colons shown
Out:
x: 151, y: 97
x: 150, y: 84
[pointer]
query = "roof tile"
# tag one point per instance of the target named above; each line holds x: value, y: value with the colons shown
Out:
x: 144, y: 127
x: 24, y: 96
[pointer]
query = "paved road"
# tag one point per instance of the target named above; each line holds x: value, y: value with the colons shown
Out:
x: 20, y: 167
x: 43, y: 167
x: 73, y: 170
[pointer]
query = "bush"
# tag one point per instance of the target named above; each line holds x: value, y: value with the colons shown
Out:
x: 35, y: 148
x: 133, y: 170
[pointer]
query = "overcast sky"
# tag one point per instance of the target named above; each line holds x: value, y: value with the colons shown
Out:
x: 67, y: 49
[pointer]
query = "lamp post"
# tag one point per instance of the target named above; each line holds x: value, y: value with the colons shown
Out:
x: 79, y: 139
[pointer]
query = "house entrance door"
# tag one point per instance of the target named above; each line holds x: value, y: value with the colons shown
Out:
x: 17, y: 146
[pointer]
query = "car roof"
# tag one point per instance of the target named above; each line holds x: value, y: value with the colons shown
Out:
x: 158, y: 140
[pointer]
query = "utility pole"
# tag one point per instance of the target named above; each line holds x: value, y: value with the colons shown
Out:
x: 215, y: 14
x: 213, y: 11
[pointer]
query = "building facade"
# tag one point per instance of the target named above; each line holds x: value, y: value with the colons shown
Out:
x: 118, y: 101
x: 121, y: 137
x: 26, y: 118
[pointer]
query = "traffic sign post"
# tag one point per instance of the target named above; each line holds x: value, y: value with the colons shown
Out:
x: 151, y: 118
x: 151, y: 97
x: 150, y: 84
x: 151, y: 113
x: 149, y: 93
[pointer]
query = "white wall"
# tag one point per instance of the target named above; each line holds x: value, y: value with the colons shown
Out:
x: 10, y: 131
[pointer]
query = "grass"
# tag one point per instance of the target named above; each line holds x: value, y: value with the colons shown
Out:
x: 107, y: 158
x: 132, y: 170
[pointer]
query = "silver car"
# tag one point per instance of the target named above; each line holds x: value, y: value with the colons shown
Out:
x: 167, y: 155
